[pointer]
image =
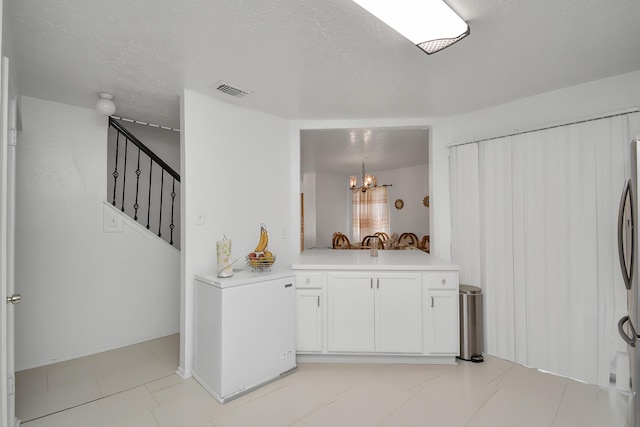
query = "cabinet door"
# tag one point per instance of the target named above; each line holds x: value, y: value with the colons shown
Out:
x: 350, y: 312
x: 398, y: 313
x: 308, y: 320
x: 442, y: 322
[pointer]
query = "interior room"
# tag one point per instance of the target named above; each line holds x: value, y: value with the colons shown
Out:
x: 175, y: 174
x: 398, y: 157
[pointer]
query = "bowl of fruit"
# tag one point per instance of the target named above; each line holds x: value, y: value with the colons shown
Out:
x: 261, y: 258
x: 260, y: 261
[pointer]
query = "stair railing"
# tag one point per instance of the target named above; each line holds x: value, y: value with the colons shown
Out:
x: 128, y: 197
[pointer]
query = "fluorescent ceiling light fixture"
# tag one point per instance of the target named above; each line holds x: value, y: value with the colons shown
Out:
x: 430, y: 24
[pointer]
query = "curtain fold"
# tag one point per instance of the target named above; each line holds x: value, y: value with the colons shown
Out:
x: 546, y: 256
x: 465, y: 212
x: 370, y: 213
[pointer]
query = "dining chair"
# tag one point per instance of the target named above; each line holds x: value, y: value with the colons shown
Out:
x: 425, y: 244
x: 340, y: 241
x: 408, y: 239
x: 384, y: 239
x: 366, y: 242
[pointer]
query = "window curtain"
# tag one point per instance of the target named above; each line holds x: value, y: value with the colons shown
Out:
x: 370, y: 213
x: 546, y: 256
x: 465, y: 212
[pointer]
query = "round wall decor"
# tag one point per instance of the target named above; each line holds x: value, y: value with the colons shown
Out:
x: 425, y: 201
x: 399, y: 204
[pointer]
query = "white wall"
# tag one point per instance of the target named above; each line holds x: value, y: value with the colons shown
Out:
x: 83, y: 290
x: 308, y: 187
x: 410, y: 184
x: 236, y: 175
x: 333, y: 207
x: 573, y: 103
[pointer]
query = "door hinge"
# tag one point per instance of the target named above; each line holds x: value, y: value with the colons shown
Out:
x: 11, y: 386
x: 13, y: 138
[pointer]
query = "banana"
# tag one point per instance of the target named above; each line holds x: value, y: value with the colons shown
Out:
x: 260, y: 246
x: 264, y: 239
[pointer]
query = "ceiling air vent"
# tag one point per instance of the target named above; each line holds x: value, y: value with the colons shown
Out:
x: 232, y: 90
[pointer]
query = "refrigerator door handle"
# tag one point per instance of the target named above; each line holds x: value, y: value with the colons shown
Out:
x: 626, y: 275
x: 631, y: 341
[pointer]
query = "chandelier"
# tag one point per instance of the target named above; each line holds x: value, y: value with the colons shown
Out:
x: 369, y: 182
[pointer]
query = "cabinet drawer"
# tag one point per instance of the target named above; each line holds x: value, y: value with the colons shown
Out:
x: 441, y: 280
x: 308, y: 280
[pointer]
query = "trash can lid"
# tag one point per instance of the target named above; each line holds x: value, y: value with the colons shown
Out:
x: 468, y: 289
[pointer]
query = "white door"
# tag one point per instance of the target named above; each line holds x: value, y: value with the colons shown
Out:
x: 398, y: 313
x: 443, y: 335
x: 7, y: 296
x: 350, y: 312
x: 308, y: 320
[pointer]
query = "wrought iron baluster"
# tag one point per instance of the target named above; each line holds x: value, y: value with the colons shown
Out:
x: 115, y: 170
x: 136, y: 205
x: 149, y: 204
x: 173, y: 200
x: 138, y: 198
x: 124, y: 175
x: 161, y: 193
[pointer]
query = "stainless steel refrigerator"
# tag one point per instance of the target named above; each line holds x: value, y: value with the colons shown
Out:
x: 628, y: 252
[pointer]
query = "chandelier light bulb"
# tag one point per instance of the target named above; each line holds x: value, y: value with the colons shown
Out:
x: 105, y: 104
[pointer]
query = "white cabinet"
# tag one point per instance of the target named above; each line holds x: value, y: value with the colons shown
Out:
x: 442, y: 330
x: 442, y: 324
x: 309, y: 302
x: 308, y: 320
x: 398, y: 313
x: 374, y: 312
x: 350, y: 312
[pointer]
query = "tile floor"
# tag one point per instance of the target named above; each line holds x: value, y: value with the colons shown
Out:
x: 136, y: 387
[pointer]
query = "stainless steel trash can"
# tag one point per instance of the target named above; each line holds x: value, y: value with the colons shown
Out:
x: 471, y: 335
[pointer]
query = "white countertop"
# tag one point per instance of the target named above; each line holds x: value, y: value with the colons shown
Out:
x: 341, y: 259
x: 242, y: 277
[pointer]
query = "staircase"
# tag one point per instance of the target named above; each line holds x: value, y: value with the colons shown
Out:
x: 142, y: 185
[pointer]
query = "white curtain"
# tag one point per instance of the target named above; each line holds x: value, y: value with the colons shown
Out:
x: 370, y: 213
x: 547, y: 217
x: 465, y: 212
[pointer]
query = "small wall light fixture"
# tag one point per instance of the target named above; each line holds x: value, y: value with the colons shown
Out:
x: 105, y: 104
x: 430, y: 24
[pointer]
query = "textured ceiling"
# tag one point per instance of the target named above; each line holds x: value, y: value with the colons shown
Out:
x: 310, y: 59
x: 342, y: 151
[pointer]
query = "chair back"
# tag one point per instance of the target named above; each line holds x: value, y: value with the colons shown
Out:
x: 366, y: 241
x: 425, y: 244
x: 340, y: 241
x: 408, y: 239
x: 385, y: 240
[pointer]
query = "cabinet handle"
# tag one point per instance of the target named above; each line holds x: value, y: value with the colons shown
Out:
x: 371, y: 283
x: 444, y: 281
x: 378, y: 283
x: 318, y: 300
x: 431, y: 301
